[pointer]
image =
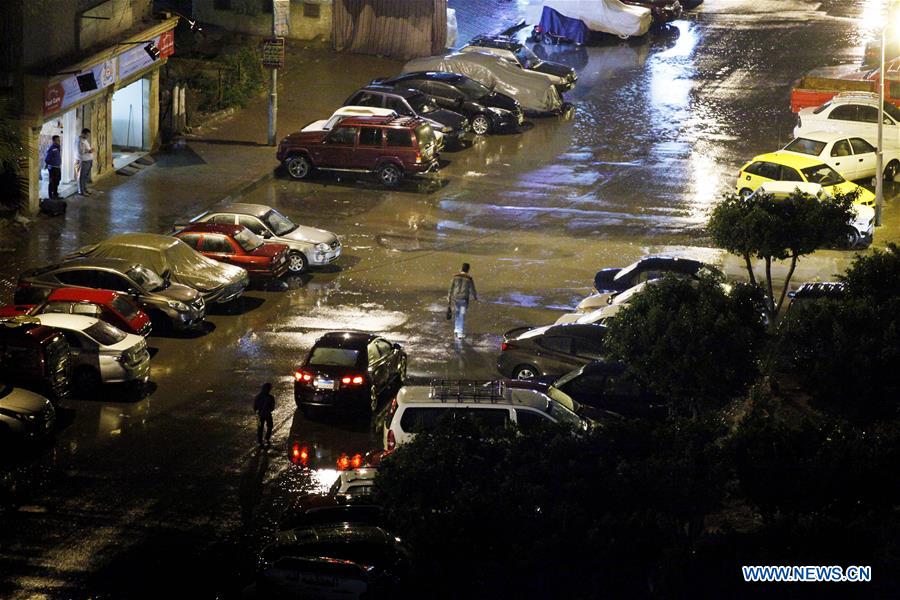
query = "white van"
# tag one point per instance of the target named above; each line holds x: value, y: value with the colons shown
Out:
x: 419, y: 408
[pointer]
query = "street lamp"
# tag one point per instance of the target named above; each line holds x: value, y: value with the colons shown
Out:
x: 879, y: 155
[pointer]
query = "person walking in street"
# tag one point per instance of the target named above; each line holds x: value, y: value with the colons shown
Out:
x: 53, y: 160
x: 84, y: 152
x: 462, y: 289
x: 264, y: 406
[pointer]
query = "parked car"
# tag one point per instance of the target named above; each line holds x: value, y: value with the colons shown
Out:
x: 605, y: 387
x: 649, y: 268
x: 333, y: 561
x: 176, y: 261
x: 860, y: 228
x: 532, y: 91
x: 100, y: 352
x: 573, y: 20
x: 517, y: 53
x: 24, y: 414
x: 361, y: 111
x: 391, y: 148
x: 491, y: 404
x: 854, y: 158
x: 348, y: 370
x: 663, y: 11
x: 454, y: 127
x: 349, y: 499
x: 814, y: 290
x: 238, y: 246
x: 170, y: 304
x: 791, y: 167
x: 526, y: 353
x: 852, y: 114
x: 308, y: 246
x: 488, y: 111
x: 113, y: 307
x: 599, y: 308
x: 34, y: 357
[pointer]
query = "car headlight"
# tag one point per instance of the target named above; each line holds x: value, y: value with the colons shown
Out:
x: 323, y: 247
x: 176, y: 305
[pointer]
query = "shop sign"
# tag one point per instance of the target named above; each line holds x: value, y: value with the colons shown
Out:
x: 137, y: 59
x: 273, y: 53
x: 65, y: 92
x: 281, y: 18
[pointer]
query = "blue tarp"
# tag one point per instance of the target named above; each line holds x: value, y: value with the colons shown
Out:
x: 561, y: 26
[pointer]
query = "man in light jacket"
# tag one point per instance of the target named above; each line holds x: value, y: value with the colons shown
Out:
x: 84, y: 152
x: 462, y: 288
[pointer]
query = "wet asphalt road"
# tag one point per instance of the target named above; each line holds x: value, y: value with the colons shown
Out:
x: 165, y: 495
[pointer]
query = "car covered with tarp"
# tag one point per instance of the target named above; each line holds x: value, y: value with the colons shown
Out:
x: 573, y: 20
x: 534, y: 92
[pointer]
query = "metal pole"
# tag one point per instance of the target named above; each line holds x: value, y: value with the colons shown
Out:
x: 273, y: 92
x: 879, y: 156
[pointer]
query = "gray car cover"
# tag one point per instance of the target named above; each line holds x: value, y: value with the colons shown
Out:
x: 533, y: 91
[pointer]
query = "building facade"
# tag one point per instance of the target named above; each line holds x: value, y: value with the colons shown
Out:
x: 309, y: 19
x: 97, y: 67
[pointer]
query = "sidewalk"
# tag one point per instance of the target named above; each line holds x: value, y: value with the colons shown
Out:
x: 219, y: 161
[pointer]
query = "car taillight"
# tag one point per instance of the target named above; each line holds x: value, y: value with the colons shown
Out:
x: 504, y: 346
x: 346, y: 462
x: 357, y: 461
x: 299, y: 454
x: 303, y: 376
x: 391, y: 440
x: 352, y: 379
x: 418, y: 157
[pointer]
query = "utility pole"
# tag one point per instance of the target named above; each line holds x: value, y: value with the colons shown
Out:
x: 273, y: 84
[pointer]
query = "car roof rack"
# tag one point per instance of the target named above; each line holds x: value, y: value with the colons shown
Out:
x: 850, y: 95
x: 460, y: 390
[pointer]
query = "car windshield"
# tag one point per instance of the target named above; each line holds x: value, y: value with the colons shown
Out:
x: 822, y: 174
x: 145, y: 278
x: 806, y: 146
x: 248, y: 240
x: 562, y: 414
x: 626, y: 272
x: 105, y: 334
x: 528, y: 58
x: 422, y: 104
x: 278, y: 223
x: 125, y: 308
x: 472, y: 88
x: 333, y: 357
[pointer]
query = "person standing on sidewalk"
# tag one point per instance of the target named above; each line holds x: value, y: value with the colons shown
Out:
x: 53, y: 160
x: 264, y: 406
x: 462, y: 288
x: 84, y: 152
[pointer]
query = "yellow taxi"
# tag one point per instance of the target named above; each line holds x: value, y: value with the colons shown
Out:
x: 787, y: 166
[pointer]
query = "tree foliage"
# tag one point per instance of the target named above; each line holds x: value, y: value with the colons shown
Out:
x: 769, y: 229
x: 13, y: 151
x: 694, y: 343
x: 876, y: 276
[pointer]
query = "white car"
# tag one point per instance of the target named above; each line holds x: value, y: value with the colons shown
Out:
x: 852, y: 157
x: 354, y: 482
x: 862, y: 225
x: 599, y: 308
x: 24, y: 414
x: 419, y: 408
x: 101, y: 353
x: 852, y: 114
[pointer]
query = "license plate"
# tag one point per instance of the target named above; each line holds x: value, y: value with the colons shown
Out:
x: 325, y: 384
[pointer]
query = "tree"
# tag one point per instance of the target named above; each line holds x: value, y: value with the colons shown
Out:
x: 876, y: 276
x: 692, y: 342
x: 773, y: 229
x: 13, y: 150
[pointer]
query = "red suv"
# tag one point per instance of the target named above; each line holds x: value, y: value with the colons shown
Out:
x: 237, y: 245
x: 391, y: 147
x: 114, y: 308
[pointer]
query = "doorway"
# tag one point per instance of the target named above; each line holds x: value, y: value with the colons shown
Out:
x: 66, y: 127
x: 129, y: 122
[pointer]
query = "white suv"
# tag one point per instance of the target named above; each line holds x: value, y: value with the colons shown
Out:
x: 853, y: 114
x: 419, y: 408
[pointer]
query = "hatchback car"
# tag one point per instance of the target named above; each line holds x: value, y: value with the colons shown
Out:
x: 349, y: 498
x: 238, y: 246
x: 100, y: 352
x: 852, y: 114
x: 791, y: 167
x: 454, y: 127
x: 526, y: 353
x: 348, y: 370
x: 487, y: 110
x: 173, y: 259
x: 854, y: 158
x: 24, y: 414
x: 116, y: 309
x: 308, y: 246
x: 168, y: 304
x: 517, y: 53
x: 649, y: 268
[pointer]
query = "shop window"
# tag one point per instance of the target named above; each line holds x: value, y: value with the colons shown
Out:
x: 311, y: 11
x: 222, y: 4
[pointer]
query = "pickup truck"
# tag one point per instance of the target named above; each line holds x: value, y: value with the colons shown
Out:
x: 820, y: 85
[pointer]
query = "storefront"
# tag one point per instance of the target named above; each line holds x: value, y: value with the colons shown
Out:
x: 114, y: 93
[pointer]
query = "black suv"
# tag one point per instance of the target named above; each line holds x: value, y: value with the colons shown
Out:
x: 411, y: 103
x: 489, y: 111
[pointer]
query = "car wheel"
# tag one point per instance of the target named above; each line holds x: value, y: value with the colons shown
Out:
x: 853, y: 237
x: 481, y: 125
x: 373, y: 400
x: 891, y: 171
x: 745, y: 193
x: 298, y: 167
x: 389, y: 175
x: 297, y: 262
x: 525, y: 372
x: 87, y: 380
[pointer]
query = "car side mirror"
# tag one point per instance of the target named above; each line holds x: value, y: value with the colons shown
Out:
x: 397, y: 346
